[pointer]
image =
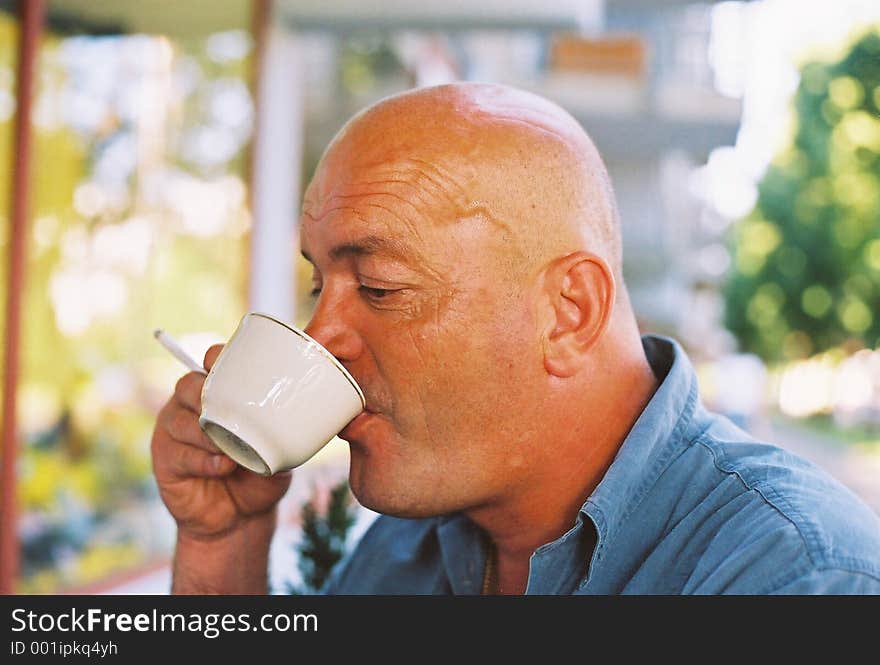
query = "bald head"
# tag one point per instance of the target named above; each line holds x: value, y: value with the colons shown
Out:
x: 466, y: 259
x: 507, y: 159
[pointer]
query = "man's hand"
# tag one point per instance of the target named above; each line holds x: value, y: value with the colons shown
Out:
x: 219, y: 506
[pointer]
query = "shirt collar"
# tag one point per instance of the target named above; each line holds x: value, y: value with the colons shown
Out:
x: 463, y: 548
x: 655, y: 438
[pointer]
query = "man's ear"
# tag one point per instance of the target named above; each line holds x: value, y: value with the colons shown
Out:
x: 579, y: 293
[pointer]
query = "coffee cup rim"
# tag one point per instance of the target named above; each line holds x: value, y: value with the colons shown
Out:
x: 321, y: 349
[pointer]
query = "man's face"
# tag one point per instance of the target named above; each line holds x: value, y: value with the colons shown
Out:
x: 421, y: 306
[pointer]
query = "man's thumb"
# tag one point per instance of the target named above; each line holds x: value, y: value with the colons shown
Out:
x: 211, y: 355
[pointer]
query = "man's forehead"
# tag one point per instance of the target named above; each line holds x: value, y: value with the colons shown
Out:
x: 395, y: 207
x: 420, y: 176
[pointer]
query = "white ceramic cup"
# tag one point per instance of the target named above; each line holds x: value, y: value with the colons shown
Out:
x: 275, y: 397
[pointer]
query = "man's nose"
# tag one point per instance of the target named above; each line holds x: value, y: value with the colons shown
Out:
x: 332, y: 328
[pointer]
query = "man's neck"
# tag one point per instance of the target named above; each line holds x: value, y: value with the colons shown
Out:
x: 581, y: 452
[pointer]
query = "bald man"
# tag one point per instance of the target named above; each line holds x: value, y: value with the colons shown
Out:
x: 520, y: 436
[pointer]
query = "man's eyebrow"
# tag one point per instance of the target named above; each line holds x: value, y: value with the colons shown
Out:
x: 369, y: 245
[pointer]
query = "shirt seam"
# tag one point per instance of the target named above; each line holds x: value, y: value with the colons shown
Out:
x: 763, y: 490
x: 814, y: 547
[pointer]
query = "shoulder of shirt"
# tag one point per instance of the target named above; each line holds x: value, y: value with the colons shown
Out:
x: 792, y: 517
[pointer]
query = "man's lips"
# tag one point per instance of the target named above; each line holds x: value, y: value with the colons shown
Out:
x: 358, y: 424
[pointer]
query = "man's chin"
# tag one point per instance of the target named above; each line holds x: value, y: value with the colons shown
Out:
x: 383, y: 497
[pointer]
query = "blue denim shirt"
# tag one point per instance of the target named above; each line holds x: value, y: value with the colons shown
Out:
x: 691, y: 504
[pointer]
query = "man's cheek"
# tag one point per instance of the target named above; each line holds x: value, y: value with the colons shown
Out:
x: 432, y: 339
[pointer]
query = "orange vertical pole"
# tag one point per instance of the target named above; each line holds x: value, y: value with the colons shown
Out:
x: 261, y: 12
x: 31, y: 14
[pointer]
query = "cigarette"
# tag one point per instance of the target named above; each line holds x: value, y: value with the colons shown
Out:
x: 177, y: 351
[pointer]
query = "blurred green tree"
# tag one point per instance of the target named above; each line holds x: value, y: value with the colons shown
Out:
x: 324, y: 537
x: 806, y: 270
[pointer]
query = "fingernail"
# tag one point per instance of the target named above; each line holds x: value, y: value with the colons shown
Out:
x: 217, y: 462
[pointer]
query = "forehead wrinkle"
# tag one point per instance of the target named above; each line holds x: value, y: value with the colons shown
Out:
x: 466, y: 207
x: 438, y: 177
x: 411, y: 257
x: 426, y: 181
x: 324, y: 213
x: 358, y: 212
x: 424, y: 194
x: 396, y: 197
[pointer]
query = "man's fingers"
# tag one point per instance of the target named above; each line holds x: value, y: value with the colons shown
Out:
x: 183, y: 426
x: 188, y: 391
x: 190, y: 462
x: 211, y: 355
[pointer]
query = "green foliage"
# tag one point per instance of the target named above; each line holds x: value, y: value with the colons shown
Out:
x: 323, y: 539
x: 806, y: 269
